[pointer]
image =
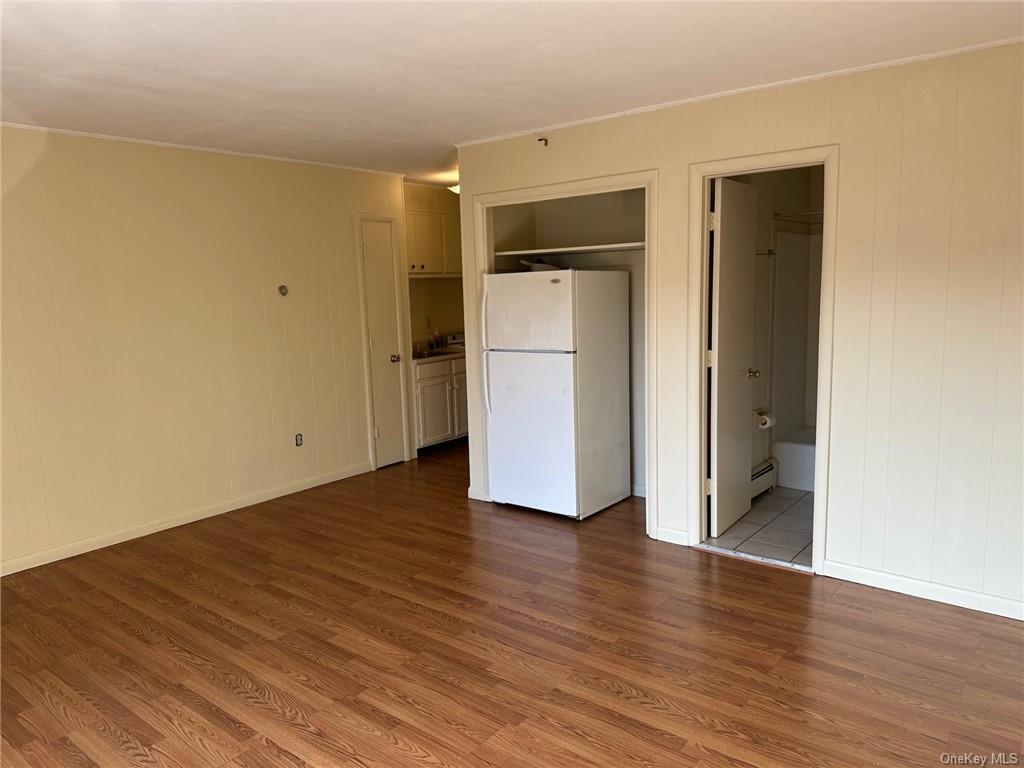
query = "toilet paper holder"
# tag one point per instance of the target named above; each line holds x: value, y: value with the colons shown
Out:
x: 765, y: 420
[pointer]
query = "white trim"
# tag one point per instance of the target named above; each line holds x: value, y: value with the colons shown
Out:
x: 747, y: 89
x: 737, y: 555
x: 480, y: 262
x: 700, y: 173
x: 404, y: 332
x: 671, y: 535
x: 929, y: 590
x: 478, y: 494
x: 62, y: 551
x: 212, y: 150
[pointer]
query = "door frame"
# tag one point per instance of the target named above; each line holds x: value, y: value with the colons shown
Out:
x: 404, y: 331
x: 697, y: 459
x: 473, y: 281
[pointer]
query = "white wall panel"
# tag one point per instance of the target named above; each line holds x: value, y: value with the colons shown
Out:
x: 152, y: 373
x: 1004, y: 511
x: 922, y: 275
x: 926, y: 404
x: 981, y: 177
x: 878, y: 393
x: 854, y: 113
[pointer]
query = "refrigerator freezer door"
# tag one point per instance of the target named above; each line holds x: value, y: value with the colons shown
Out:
x: 531, y: 435
x: 529, y: 311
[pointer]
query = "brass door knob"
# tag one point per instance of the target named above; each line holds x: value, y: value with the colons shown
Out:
x: 395, y: 358
x: 753, y: 374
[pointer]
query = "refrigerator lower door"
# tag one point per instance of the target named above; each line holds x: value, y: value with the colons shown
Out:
x: 531, y: 434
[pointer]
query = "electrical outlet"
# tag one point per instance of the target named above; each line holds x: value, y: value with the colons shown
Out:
x: 298, y: 439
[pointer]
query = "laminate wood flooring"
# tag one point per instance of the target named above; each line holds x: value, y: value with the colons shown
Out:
x: 386, y: 620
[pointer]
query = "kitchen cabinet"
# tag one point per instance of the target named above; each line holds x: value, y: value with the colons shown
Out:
x: 425, y: 243
x: 452, y: 242
x: 441, y: 403
x: 433, y: 235
x: 460, y: 405
x: 434, y: 411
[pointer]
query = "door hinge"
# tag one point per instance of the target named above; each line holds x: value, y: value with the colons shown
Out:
x: 376, y: 432
x: 709, y: 358
x: 708, y: 486
x: 712, y: 220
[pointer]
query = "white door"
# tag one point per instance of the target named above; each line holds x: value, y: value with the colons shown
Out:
x: 531, y: 432
x: 459, y: 405
x: 732, y: 342
x: 384, y: 342
x: 434, y: 411
x: 530, y: 311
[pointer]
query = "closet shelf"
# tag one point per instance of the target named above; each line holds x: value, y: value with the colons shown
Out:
x: 602, y: 248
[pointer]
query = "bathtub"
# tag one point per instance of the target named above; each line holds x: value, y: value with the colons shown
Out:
x: 795, y: 454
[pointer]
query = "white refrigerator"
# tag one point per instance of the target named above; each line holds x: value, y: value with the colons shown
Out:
x: 556, y: 389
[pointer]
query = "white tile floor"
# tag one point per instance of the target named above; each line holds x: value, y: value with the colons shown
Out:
x: 778, y: 526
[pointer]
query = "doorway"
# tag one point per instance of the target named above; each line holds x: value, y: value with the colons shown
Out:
x: 604, y: 231
x: 386, y: 383
x: 619, y: 233
x: 762, y: 302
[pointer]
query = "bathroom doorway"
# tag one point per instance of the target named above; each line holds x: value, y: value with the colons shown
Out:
x: 762, y: 308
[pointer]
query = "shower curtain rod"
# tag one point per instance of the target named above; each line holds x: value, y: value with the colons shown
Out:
x: 801, y: 213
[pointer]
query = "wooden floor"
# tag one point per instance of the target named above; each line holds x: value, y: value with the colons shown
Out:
x: 387, y: 621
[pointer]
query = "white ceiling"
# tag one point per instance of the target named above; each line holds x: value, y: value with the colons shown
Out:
x: 395, y: 86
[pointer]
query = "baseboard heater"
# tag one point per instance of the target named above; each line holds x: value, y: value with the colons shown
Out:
x: 762, y: 477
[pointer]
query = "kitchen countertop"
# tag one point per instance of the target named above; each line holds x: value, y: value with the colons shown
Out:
x: 454, y: 354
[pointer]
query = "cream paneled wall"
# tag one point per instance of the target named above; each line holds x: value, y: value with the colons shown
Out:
x: 152, y: 374
x: 926, y: 441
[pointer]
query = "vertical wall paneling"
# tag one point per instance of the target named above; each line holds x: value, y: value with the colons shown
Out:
x: 925, y: 453
x: 1004, y: 523
x: 878, y: 389
x: 921, y: 287
x: 152, y: 372
x: 973, y: 302
x: 854, y: 120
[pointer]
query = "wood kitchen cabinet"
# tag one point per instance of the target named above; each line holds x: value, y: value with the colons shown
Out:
x: 433, y: 233
x: 425, y: 243
x: 460, y: 405
x: 451, y: 235
x: 434, y: 411
x: 441, y: 403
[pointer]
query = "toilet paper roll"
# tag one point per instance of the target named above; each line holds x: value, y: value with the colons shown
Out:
x: 765, y: 420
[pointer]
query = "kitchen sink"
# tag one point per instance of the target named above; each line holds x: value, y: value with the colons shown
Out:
x: 451, y: 350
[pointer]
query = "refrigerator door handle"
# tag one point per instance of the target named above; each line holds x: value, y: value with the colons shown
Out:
x: 483, y: 316
x: 487, y: 384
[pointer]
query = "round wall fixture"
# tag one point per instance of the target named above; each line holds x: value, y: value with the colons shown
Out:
x: 283, y: 290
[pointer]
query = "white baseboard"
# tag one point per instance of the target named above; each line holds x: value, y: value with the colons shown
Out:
x: 479, y: 494
x: 965, y: 598
x: 44, y: 556
x: 673, y: 536
x: 640, y: 490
